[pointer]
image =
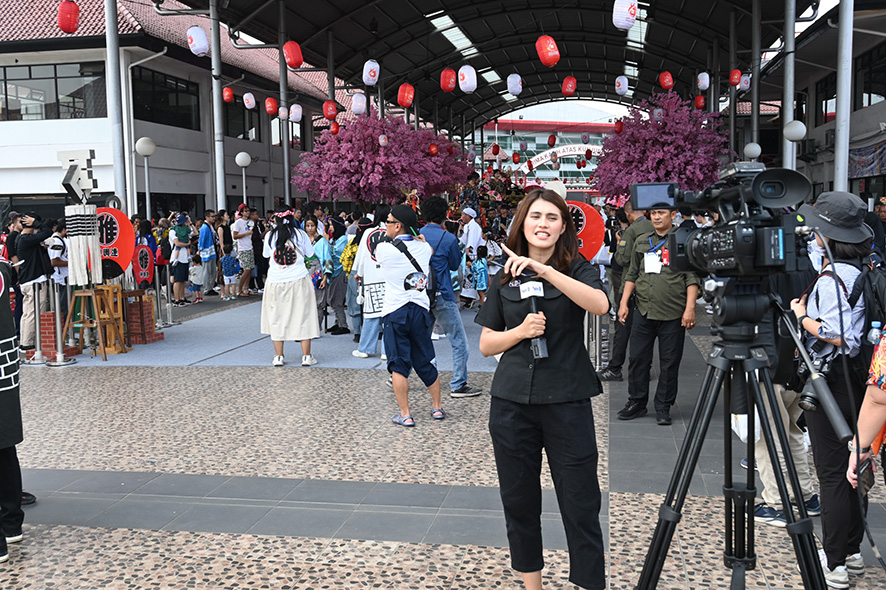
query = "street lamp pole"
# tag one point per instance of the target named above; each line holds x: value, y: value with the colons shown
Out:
x: 145, y: 147
x: 243, y: 160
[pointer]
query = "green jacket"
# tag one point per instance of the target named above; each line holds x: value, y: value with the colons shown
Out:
x: 660, y: 296
x: 626, y: 245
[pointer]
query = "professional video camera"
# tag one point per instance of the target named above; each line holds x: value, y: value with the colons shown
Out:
x: 755, y: 235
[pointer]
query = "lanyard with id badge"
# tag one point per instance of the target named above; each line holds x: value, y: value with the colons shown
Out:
x: 653, y: 260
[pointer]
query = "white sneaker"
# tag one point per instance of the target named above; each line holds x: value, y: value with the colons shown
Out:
x: 384, y: 357
x: 278, y: 360
x: 308, y: 360
x: 854, y: 564
x: 18, y: 539
x: 359, y: 355
x: 836, y: 578
x: 435, y: 336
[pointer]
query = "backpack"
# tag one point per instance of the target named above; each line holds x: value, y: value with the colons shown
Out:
x: 872, y: 284
x: 164, y: 253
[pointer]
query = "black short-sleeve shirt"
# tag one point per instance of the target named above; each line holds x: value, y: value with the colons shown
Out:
x: 568, y: 373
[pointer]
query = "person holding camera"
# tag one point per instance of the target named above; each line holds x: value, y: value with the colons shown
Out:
x: 541, y: 398
x: 833, y: 330
x: 33, y: 275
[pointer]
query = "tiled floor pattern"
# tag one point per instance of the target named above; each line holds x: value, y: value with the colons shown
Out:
x: 296, y: 422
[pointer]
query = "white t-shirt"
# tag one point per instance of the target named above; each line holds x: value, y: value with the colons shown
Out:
x: 183, y: 252
x: 243, y: 226
x: 292, y: 266
x: 396, y: 268
x: 472, y: 238
x: 367, y: 268
x: 57, y: 247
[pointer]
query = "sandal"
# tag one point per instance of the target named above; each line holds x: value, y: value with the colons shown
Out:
x: 403, y: 420
x: 438, y: 414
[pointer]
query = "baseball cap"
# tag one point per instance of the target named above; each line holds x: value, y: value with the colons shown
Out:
x: 405, y: 215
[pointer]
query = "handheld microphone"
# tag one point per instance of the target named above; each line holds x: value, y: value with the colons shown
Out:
x: 532, y: 290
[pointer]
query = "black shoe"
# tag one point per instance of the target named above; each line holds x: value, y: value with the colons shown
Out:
x: 632, y: 409
x: 663, y: 418
x: 23, y: 347
x: 608, y: 374
x: 465, y: 391
x: 357, y: 338
x: 28, y: 499
x: 338, y: 330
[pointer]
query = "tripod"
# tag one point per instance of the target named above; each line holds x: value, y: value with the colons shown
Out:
x: 732, y: 364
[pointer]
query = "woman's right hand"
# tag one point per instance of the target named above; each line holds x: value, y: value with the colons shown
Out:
x: 623, y: 313
x: 533, y: 326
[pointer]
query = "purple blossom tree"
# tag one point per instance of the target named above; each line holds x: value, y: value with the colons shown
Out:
x: 665, y: 139
x: 352, y: 164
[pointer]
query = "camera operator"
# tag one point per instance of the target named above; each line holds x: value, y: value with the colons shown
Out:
x: 35, y: 268
x: 616, y: 224
x: 622, y: 333
x: 833, y: 331
x: 665, y: 309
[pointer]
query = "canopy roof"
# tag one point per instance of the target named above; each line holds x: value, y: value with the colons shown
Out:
x: 414, y: 40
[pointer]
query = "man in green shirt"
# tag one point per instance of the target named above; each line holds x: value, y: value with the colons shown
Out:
x: 665, y: 308
x: 618, y: 345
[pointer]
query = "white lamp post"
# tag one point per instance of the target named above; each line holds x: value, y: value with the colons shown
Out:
x: 243, y: 160
x: 146, y: 147
x: 794, y: 131
x: 752, y: 151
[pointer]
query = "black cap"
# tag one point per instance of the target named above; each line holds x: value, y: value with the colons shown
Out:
x: 405, y: 215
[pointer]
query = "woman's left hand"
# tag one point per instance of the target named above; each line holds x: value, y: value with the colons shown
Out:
x: 515, y: 265
x: 798, y: 306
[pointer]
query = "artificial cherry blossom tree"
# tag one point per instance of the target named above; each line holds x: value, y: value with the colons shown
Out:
x: 352, y: 164
x: 664, y: 139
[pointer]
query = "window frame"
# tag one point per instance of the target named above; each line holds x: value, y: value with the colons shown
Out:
x: 55, y: 107
x: 171, y: 86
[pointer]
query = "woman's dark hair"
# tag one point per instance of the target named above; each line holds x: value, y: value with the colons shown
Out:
x: 312, y: 219
x: 381, y: 213
x: 847, y: 251
x: 144, y: 228
x: 220, y: 217
x: 228, y: 248
x: 451, y: 226
x: 362, y: 225
x: 482, y: 252
x: 338, y: 228
x: 283, y: 231
x: 566, y: 248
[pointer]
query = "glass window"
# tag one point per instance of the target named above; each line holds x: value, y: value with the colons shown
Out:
x: 825, y: 99
x: 870, y: 77
x: 66, y: 91
x: 294, y: 133
x: 243, y: 123
x: 164, y: 99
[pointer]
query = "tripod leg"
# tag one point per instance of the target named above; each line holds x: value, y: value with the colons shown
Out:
x: 669, y: 513
x: 800, y: 531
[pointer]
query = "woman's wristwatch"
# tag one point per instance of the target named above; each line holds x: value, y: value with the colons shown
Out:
x: 854, y: 449
x: 800, y: 319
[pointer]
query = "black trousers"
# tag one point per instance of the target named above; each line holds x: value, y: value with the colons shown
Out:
x: 618, y: 343
x: 11, y: 514
x: 842, y: 521
x: 670, y: 335
x: 566, y: 433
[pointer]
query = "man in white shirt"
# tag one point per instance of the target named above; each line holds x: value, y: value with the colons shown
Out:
x: 406, y: 262
x: 57, y: 247
x: 471, y: 239
x: 241, y: 231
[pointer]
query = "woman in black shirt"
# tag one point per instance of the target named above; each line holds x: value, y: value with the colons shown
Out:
x: 545, y: 403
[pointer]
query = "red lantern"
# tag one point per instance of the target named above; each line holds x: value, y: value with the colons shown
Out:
x: 666, y: 80
x: 591, y: 177
x: 68, y: 16
x: 450, y: 150
x: 495, y: 149
x: 569, y: 84
x: 516, y: 158
x: 330, y: 110
x: 333, y: 128
x: 227, y: 94
x: 588, y: 154
x: 292, y: 55
x: 405, y: 95
x: 433, y: 149
x: 489, y: 169
x: 699, y: 101
x: 735, y: 77
x: 529, y: 165
x: 547, y: 50
x: 552, y: 139
x: 589, y: 181
x: 448, y: 80
x: 271, y: 105
x: 619, y: 126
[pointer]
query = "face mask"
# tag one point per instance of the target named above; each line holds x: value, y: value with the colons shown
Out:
x: 816, y: 254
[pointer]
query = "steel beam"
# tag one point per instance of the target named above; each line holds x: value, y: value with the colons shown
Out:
x: 218, y: 137
x: 788, y: 153
x: 844, y: 95
x: 115, y: 107
x: 284, y: 103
